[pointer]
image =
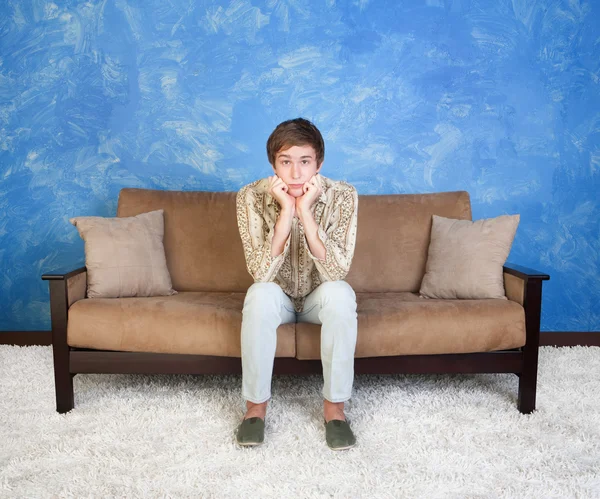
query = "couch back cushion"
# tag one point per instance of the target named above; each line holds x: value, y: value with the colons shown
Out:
x: 204, y: 250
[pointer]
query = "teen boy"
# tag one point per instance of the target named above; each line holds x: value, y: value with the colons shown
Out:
x: 298, y: 230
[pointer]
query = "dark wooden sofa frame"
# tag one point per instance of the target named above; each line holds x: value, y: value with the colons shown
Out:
x: 69, y: 361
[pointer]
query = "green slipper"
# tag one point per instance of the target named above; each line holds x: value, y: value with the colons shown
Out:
x: 250, y: 432
x: 338, y: 435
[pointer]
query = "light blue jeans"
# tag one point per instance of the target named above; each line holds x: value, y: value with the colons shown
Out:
x: 266, y: 306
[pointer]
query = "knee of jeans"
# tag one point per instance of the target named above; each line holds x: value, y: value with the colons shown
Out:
x: 262, y: 293
x: 341, y: 288
x: 339, y: 291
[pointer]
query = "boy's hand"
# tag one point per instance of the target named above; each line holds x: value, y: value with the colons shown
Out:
x: 312, y: 191
x: 278, y: 189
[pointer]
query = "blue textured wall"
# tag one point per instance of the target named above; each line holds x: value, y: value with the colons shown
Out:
x: 495, y: 97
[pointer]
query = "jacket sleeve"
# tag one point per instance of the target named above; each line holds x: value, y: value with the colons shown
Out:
x: 257, y: 244
x: 339, y: 239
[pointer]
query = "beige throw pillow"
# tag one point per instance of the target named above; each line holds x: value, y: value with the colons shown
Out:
x: 125, y: 256
x: 465, y: 258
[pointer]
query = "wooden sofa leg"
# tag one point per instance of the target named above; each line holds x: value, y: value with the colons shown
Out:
x: 528, y: 378
x: 63, y: 384
x: 527, y: 390
x: 63, y: 379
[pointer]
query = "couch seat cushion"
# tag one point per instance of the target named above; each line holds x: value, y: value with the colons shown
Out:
x: 203, y: 323
x: 406, y: 324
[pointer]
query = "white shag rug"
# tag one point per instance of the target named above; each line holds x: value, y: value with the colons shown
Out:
x: 418, y: 436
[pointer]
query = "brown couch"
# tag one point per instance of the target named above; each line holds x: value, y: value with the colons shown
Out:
x: 198, y: 329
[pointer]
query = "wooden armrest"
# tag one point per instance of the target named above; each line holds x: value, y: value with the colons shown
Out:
x: 524, y: 273
x: 73, y: 283
x: 516, y: 278
x: 62, y: 275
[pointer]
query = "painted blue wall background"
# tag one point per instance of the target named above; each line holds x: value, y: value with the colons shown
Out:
x: 499, y: 98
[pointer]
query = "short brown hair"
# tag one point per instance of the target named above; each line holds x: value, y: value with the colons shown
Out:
x: 296, y: 132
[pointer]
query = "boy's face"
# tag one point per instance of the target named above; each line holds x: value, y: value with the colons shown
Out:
x: 296, y: 166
